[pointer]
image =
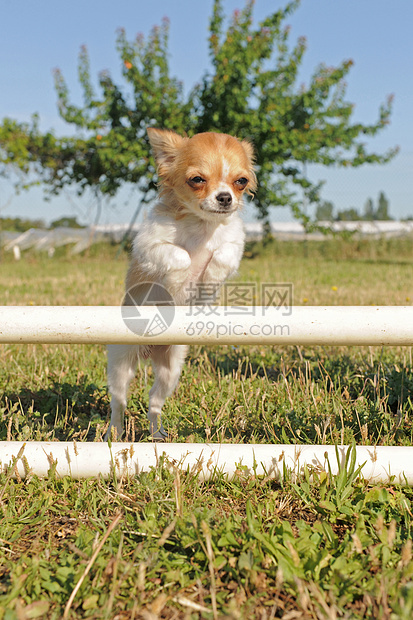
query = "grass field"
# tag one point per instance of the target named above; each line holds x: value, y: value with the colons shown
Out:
x: 165, y: 544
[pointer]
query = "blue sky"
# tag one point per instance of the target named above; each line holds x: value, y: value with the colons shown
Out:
x: 376, y: 34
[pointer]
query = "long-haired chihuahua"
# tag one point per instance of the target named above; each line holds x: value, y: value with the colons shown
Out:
x: 192, y: 238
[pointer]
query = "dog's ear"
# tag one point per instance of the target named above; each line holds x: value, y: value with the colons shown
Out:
x: 164, y: 145
x: 249, y: 149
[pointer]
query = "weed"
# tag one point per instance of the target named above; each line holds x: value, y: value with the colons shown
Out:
x: 164, y: 543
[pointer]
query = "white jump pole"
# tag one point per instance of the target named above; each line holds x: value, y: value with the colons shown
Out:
x: 81, y: 460
x: 333, y: 325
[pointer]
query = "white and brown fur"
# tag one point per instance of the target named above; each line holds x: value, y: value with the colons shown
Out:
x: 193, y: 235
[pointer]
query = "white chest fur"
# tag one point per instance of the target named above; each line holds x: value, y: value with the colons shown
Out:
x: 182, y: 253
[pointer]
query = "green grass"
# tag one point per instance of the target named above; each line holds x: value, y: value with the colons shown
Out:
x: 320, y: 546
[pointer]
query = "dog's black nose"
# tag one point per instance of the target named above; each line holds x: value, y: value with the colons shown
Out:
x: 224, y: 199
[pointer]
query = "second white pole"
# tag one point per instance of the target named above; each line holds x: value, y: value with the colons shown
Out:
x: 384, y: 464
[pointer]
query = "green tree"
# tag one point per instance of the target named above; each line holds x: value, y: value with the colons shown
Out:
x: 369, y: 213
x: 17, y: 224
x: 348, y: 215
x: 325, y: 212
x: 383, y: 205
x: 66, y: 222
x: 110, y: 146
x: 251, y: 91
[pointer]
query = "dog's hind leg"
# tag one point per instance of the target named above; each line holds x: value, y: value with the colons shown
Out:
x: 122, y: 360
x: 167, y: 363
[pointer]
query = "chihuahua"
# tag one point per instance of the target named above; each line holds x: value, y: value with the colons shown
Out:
x: 192, y: 238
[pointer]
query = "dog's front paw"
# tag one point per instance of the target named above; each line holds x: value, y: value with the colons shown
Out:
x: 179, y: 260
x: 223, y: 263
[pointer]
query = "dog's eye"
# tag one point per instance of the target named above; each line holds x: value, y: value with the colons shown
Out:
x: 196, y: 181
x: 242, y: 182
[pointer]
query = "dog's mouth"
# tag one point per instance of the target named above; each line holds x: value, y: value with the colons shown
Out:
x: 219, y: 211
